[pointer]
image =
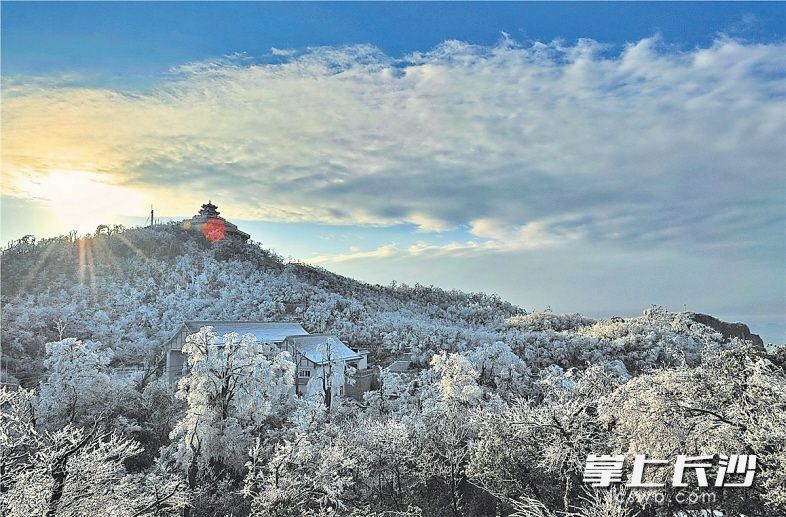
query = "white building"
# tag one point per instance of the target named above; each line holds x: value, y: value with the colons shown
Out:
x: 263, y: 331
x: 321, y: 357
x: 324, y: 361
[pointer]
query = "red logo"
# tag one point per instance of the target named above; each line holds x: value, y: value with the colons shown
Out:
x: 214, y: 230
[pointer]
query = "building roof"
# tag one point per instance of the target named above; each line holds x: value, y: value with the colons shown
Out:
x: 209, y: 209
x: 319, y: 348
x: 266, y: 331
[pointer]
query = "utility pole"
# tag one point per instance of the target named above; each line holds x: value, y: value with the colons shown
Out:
x: 152, y: 222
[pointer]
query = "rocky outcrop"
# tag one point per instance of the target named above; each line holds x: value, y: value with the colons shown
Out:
x: 729, y: 330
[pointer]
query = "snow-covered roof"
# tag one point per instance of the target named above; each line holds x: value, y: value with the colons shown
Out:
x: 318, y: 348
x: 267, y: 331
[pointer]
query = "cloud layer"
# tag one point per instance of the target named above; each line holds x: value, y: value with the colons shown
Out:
x: 523, y: 146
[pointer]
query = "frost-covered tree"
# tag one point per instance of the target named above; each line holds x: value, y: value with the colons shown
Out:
x: 444, y: 427
x: 331, y: 374
x: 394, y: 390
x: 74, y: 471
x: 547, y: 320
x: 307, y: 474
x: 537, y: 447
x: 386, y: 475
x: 732, y: 404
x: 78, y: 387
x: 231, y: 391
x: 500, y: 370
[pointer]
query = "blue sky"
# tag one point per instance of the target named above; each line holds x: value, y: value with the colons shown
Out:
x: 144, y: 40
x: 591, y: 157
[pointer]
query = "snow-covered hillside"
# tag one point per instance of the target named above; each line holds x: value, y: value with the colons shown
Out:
x: 131, y: 289
x: 497, y: 416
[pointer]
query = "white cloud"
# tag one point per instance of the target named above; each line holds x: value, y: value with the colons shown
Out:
x: 492, y: 237
x: 538, y: 234
x: 426, y: 223
x: 527, y: 146
x: 282, y: 52
x: 386, y: 251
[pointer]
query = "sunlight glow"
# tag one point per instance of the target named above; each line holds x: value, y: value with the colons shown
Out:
x: 82, y: 200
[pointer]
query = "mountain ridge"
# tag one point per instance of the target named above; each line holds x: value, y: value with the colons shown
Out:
x: 130, y: 288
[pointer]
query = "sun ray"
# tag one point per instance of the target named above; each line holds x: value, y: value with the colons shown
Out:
x: 82, y: 264
x: 106, y: 250
x: 37, y: 266
x: 91, y: 271
x: 131, y: 245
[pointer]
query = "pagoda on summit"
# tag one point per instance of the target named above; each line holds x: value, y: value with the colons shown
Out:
x: 214, y: 227
x: 209, y: 210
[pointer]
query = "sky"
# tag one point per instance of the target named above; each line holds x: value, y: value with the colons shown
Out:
x: 584, y: 157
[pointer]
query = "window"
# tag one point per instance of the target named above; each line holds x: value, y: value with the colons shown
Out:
x: 305, y: 373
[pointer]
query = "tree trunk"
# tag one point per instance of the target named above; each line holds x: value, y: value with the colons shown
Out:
x: 59, y: 477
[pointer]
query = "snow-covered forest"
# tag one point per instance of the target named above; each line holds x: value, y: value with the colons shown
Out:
x: 497, y: 415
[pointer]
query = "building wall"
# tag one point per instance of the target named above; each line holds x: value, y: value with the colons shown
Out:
x: 303, y: 365
x: 174, y: 365
x: 363, y: 380
x: 363, y: 363
x: 174, y: 357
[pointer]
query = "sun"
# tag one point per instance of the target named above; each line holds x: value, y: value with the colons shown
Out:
x: 81, y: 200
